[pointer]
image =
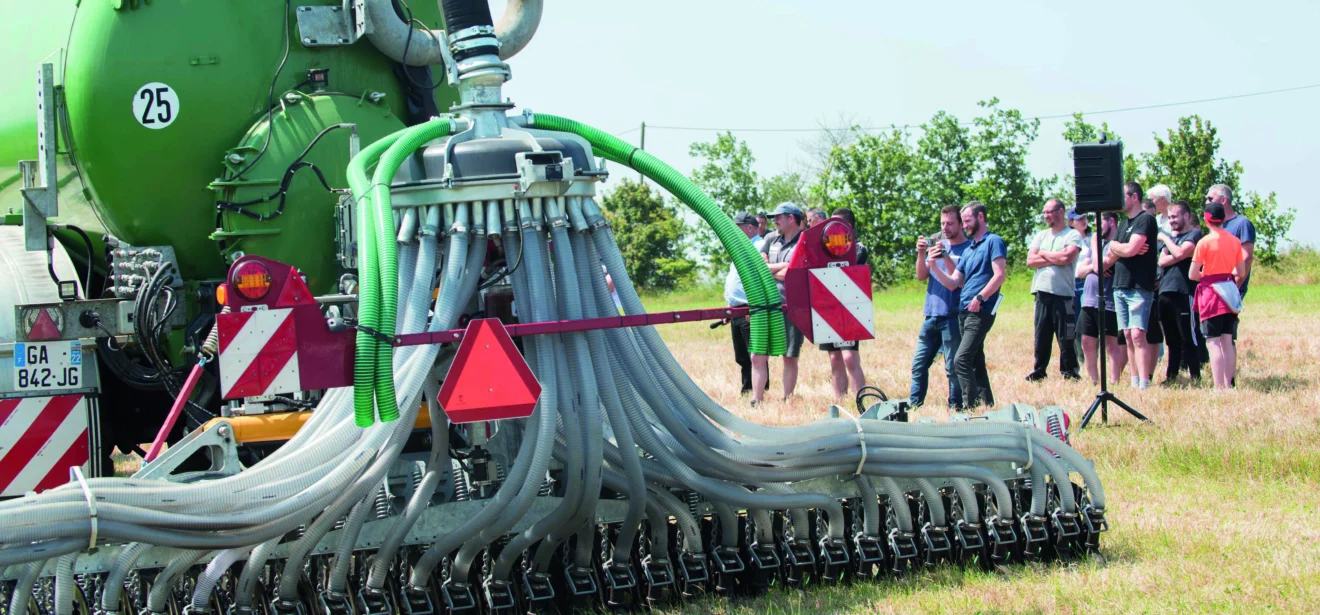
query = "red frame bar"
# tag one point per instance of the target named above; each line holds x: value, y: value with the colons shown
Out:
x: 585, y: 324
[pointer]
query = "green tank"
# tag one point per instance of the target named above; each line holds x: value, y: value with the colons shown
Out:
x: 168, y: 101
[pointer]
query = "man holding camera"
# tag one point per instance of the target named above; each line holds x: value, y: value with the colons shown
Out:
x: 939, y: 331
x: 1053, y: 254
x: 980, y: 273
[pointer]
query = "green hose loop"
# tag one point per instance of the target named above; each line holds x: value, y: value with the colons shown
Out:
x: 388, y: 265
x: 767, y: 325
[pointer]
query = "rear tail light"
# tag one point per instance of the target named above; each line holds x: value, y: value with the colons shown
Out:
x: 837, y: 238
x: 251, y: 280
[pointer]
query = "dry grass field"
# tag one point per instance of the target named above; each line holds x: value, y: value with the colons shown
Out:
x: 1214, y: 508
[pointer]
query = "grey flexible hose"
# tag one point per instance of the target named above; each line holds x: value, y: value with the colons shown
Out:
x: 934, y: 502
x: 344, y: 550
x: 542, y: 307
x: 254, y: 567
x: 164, y: 585
x: 1061, y: 480
x: 206, y: 582
x: 728, y: 524
x: 64, y: 584
x: 588, y: 270
x: 967, y: 497
x: 18, y: 603
x: 897, y: 502
x: 114, y: 581
x: 870, y: 506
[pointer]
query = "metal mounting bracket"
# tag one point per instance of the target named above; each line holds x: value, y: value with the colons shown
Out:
x: 332, y: 26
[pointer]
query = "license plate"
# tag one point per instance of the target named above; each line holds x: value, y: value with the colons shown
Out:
x: 40, y: 366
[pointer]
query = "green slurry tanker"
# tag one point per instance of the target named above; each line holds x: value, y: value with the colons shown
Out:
x: 349, y: 306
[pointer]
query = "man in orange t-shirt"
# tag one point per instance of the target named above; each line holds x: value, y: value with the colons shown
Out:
x: 1219, y: 265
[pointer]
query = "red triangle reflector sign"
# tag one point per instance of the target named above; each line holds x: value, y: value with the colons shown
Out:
x: 44, y: 328
x: 489, y: 380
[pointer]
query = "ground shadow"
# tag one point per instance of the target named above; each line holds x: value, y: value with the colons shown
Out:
x: 1273, y: 384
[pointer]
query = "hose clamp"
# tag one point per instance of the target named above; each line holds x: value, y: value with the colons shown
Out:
x: 75, y: 473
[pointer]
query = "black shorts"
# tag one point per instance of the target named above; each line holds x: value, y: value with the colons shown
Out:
x: 840, y: 346
x: 1223, y: 324
x: 1090, y: 325
x: 793, y: 339
x: 1154, y: 331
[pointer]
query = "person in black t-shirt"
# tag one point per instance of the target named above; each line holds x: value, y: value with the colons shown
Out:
x: 1133, y: 256
x: 1174, y: 304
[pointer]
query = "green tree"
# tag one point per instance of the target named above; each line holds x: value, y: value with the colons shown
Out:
x: 727, y: 176
x: 788, y: 186
x: 651, y: 236
x: 1003, y: 183
x: 872, y: 176
x: 1187, y: 160
x: 944, y: 167
x: 1077, y: 130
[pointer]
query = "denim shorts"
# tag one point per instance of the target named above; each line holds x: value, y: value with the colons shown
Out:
x: 1133, y: 307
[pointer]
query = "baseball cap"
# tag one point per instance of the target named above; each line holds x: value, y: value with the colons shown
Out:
x: 1073, y: 215
x: 743, y: 217
x: 786, y: 208
x: 1214, y: 212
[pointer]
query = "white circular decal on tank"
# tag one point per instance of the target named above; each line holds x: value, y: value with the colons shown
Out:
x: 155, y: 105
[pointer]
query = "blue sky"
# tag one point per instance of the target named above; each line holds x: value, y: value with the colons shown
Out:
x: 800, y: 64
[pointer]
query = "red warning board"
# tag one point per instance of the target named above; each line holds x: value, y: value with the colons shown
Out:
x: 489, y: 379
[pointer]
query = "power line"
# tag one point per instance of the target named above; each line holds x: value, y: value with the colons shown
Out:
x: 1039, y: 117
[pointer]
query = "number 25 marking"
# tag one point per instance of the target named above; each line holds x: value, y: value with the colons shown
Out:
x: 157, y: 97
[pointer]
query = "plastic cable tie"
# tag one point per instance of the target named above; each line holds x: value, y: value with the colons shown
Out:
x: 861, y: 440
x: 75, y: 472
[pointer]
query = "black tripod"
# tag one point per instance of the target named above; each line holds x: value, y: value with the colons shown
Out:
x: 1104, y: 397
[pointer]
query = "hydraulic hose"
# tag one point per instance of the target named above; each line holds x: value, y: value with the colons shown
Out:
x: 767, y: 323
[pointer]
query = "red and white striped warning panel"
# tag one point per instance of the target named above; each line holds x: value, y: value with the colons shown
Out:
x: 40, y: 439
x: 841, y: 308
x: 258, y: 353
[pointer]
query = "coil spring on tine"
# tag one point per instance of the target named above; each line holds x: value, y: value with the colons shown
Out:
x: 461, y: 492
x: 382, y: 505
x: 547, y: 488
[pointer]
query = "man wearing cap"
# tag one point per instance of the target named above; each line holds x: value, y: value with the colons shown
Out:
x: 1053, y: 254
x: 735, y: 296
x: 777, y: 249
x: 1219, y: 264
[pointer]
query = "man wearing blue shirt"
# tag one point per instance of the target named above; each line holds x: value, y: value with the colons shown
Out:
x: 1237, y: 225
x: 939, y: 331
x: 980, y: 272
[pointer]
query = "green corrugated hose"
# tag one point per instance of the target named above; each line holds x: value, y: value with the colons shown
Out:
x: 364, y: 363
x: 767, y: 326
x: 390, y: 161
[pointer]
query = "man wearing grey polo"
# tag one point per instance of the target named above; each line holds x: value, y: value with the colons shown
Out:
x: 777, y: 249
x: 1053, y: 254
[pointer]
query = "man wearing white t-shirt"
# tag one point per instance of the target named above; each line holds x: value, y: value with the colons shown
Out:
x: 1053, y: 254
